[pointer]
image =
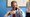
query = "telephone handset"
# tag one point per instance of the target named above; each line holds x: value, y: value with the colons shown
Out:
x: 16, y: 8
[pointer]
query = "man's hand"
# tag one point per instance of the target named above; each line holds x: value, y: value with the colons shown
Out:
x: 9, y: 13
x: 17, y: 6
x: 13, y: 12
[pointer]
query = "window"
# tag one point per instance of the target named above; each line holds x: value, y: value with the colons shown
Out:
x: 21, y: 3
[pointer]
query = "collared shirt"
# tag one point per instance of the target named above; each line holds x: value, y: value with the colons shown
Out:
x: 20, y: 12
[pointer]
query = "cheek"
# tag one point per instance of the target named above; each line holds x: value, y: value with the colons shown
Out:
x: 29, y: 8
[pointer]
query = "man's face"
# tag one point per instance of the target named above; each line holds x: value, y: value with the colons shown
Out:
x: 29, y: 8
x: 14, y: 4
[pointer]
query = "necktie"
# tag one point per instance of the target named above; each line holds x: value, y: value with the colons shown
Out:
x: 14, y: 15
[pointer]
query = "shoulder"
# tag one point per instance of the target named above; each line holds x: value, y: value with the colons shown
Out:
x: 8, y: 11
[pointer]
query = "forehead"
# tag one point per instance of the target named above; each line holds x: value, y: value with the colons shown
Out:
x: 14, y: 2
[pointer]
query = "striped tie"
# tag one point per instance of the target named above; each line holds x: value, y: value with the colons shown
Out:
x: 14, y: 15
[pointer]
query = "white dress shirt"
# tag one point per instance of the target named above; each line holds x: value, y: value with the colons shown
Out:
x: 23, y: 14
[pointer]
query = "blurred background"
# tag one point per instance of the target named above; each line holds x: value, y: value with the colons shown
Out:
x: 5, y: 6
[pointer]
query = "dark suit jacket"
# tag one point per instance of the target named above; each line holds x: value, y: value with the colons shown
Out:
x: 27, y: 14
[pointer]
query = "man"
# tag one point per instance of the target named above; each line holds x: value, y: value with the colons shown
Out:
x: 28, y: 9
x: 28, y: 12
x: 16, y: 11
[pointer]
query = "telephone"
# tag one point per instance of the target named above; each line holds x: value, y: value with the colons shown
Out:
x: 16, y: 8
